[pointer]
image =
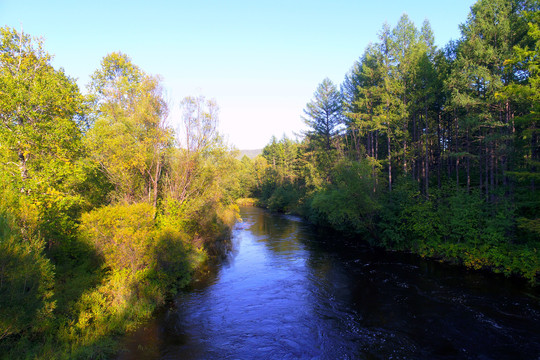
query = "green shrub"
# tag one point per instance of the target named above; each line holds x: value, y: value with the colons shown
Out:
x: 348, y: 203
x: 123, y: 234
x: 173, y: 260
x: 392, y: 229
x: 26, y: 282
x: 284, y: 199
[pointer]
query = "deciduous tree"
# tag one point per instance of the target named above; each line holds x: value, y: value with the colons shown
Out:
x: 129, y: 136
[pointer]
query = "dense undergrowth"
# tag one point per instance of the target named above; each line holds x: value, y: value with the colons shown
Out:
x: 123, y: 265
x: 452, y: 225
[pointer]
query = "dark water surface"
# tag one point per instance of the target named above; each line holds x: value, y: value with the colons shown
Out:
x: 287, y: 291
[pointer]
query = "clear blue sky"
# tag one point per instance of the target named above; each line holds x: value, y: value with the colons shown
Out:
x: 260, y: 60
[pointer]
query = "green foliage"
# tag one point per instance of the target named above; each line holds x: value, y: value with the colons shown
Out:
x: 129, y: 137
x: 199, y: 187
x: 457, y: 226
x: 284, y: 199
x: 282, y: 159
x: 145, y: 263
x: 26, y: 281
x: 82, y: 192
x: 281, y: 181
x: 526, y: 93
x: 425, y: 116
x: 122, y: 234
x: 349, y: 202
x: 391, y: 226
x: 174, y: 259
x: 324, y: 113
x: 40, y: 135
x: 114, y: 306
x: 38, y: 105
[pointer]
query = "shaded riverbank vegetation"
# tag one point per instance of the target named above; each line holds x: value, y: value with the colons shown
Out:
x: 422, y: 149
x: 105, y: 210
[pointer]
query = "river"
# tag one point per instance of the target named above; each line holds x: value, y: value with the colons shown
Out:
x: 289, y: 291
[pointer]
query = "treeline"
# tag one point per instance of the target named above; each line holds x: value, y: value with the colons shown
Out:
x: 426, y: 149
x: 105, y: 211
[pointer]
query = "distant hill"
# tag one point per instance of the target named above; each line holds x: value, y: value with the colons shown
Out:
x: 249, y: 153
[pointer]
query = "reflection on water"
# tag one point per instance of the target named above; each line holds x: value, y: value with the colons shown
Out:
x: 289, y: 292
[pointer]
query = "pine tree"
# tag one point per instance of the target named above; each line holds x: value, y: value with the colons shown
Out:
x: 324, y: 114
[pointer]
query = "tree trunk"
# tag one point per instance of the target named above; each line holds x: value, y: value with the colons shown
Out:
x: 369, y: 147
x: 156, y: 183
x: 389, y: 163
x: 480, y: 182
x: 376, y: 155
x: 468, y: 162
x: 492, y: 174
x: 456, y: 149
x: 22, y: 166
x: 457, y: 172
x: 487, y: 167
x: 414, y: 163
x: 439, y: 160
x: 426, y: 176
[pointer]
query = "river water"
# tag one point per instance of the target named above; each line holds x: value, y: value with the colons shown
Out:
x: 289, y: 291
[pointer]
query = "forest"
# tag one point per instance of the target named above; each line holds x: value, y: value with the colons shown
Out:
x: 433, y: 151
x: 107, y: 211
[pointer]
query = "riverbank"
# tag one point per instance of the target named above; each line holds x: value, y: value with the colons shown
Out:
x: 109, y: 289
x: 454, y: 226
x: 290, y: 290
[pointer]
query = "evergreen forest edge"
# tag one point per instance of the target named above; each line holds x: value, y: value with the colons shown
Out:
x: 428, y: 150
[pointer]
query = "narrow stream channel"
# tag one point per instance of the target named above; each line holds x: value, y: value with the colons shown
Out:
x: 287, y: 291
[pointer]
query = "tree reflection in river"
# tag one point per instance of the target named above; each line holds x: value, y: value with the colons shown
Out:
x: 280, y: 234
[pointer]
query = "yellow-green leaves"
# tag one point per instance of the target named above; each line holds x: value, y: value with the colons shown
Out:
x: 38, y: 109
x: 129, y: 136
x: 123, y: 234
